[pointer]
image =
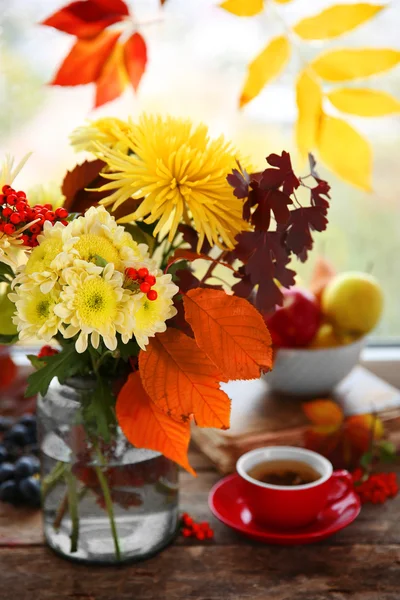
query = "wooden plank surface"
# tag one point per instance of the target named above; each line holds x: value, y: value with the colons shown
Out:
x: 361, y: 562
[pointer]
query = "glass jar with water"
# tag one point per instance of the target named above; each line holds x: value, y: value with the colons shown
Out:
x: 104, y: 501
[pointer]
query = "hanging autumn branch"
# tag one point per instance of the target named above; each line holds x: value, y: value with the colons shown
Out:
x: 111, y: 59
x: 339, y: 145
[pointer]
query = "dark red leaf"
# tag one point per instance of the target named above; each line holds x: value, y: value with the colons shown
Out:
x: 317, y: 193
x: 283, y: 174
x: 75, y: 182
x: 240, y: 182
x: 87, y: 18
x: 86, y: 60
x: 297, y: 232
x: 191, y: 237
x: 135, y: 56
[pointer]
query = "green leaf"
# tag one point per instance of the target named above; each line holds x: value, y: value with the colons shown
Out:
x: 142, y: 234
x: 66, y: 363
x: 366, y: 460
x: 6, y: 273
x: 129, y: 349
x: 5, y: 340
x: 99, y: 410
x: 100, y: 261
x: 36, y: 362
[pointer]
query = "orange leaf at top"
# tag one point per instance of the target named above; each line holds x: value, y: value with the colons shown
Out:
x: 135, y: 56
x: 87, y: 18
x: 323, y: 413
x: 322, y: 273
x: 182, y: 381
x: 86, y: 60
x: 230, y: 331
x: 146, y: 426
x: 112, y: 80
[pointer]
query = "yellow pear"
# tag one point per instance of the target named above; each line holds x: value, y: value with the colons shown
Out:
x: 353, y: 302
x: 325, y: 337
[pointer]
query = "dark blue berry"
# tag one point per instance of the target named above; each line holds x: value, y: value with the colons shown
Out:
x: 9, y: 492
x: 7, y: 471
x: 28, y: 420
x: 18, y: 435
x: 5, y: 423
x: 30, y: 490
x: 26, y: 466
x: 3, y: 453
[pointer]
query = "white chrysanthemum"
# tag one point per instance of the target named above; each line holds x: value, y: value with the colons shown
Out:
x: 47, y: 260
x: 150, y: 315
x: 10, y: 248
x: 35, y: 313
x: 98, y: 235
x: 94, y: 303
x: 46, y: 193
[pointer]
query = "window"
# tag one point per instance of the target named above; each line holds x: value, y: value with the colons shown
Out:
x: 197, y: 60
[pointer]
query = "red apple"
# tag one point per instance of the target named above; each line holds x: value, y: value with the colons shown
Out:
x: 296, y: 322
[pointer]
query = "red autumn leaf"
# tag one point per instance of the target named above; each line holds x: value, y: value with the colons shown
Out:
x: 182, y: 380
x: 145, y: 426
x: 240, y: 182
x: 266, y: 263
x: 297, y: 232
x: 86, y: 60
x: 112, y: 80
x: 318, y: 192
x: 267, y: 201
x: 135, y: 56
x: 282, y: 175
x: 77, y: 199
x: 87, y: 18
x: 191, y: 237
x: 324, y: 413
x: 230, y: 331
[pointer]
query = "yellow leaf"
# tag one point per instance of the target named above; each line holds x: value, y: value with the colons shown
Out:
x: 335, y: 20
x: 351, y: 63
x: 364, y: 102
x: 243, y: 8
x: 309, y: 105
x: 345, y: 151
x: 267, y: 65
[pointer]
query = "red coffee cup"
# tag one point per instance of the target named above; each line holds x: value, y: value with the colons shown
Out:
x: 288, y: 507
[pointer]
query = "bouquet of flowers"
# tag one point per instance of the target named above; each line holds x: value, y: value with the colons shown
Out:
x: 144, y: 342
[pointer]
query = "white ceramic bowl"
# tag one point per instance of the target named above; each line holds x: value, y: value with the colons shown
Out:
x: 312, y: 371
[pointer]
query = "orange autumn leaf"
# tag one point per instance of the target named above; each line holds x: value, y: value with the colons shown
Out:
x: 87, y: 18
x: 156, y: 431
x: 86, y: 60
x: 230, y: 331
x: 182, y: 381
x: 135, y: 56
x: 112, y: 80
x: 321, y: 275
x: 323, y: 413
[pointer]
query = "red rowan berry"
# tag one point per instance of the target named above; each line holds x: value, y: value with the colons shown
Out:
x: 152, y: 295
x: 143, y: 272
x: 9, y: 228
x: 145, y: 287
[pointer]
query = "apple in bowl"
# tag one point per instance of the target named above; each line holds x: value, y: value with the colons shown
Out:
x: 318, y: 341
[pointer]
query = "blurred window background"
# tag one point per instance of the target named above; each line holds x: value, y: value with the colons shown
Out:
x: 198, y: 55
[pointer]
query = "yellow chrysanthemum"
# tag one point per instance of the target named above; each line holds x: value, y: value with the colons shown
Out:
x: 47, y: 259
x: 94, y: 303
x: 107, y: 131
x: 150, y: 315
x: 98, y: 235
x: 181, y: 173
x: 35, y: 316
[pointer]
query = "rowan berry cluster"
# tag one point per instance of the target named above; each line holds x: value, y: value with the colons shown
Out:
x: 17, y: 215
x: 143, y: 280
x: 377, y: 488
x: 200, y: 531
x: 47, y: 351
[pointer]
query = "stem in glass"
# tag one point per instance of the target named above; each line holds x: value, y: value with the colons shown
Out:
x: 73, y: 509
x: 108, y: 502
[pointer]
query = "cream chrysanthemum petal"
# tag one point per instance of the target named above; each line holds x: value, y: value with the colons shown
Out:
x: 46, y: 260
x: 35, y: 313
x: 107, y: 131
x: 150, y: 315
x: 94, y: 305
x: 181, y: 173
x: 98, y: 235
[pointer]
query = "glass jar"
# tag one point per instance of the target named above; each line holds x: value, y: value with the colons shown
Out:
x: 103, y: 501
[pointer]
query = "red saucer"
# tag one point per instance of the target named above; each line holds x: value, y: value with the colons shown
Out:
x: 227, y: 504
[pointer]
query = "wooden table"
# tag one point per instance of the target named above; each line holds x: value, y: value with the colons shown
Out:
x: 361, y: 562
